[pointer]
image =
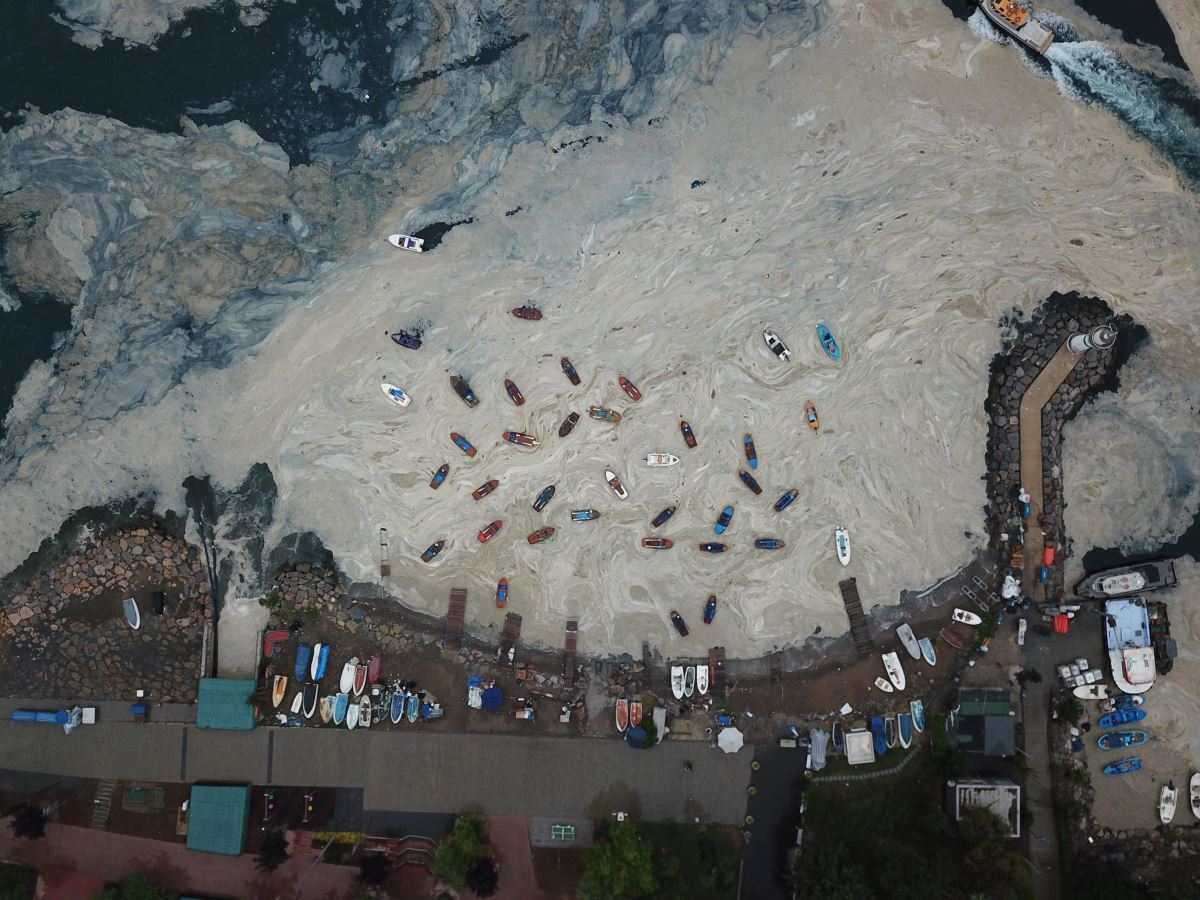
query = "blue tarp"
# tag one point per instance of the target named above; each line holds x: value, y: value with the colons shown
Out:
x: 636, y: 737
x: 493, y: 699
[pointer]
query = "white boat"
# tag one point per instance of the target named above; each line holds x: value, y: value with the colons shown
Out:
x: 346, y: 683
x: 701, y: 680
x: 689, y: 681
x: 661, y: 459
x: 928, y: 651
x: 298, y: 702
x: 677, y: 682
x: 917, y: 708
x: 778, y: 347
x: 133, y: 615
x: 364, y: 711
x: 615, y: 483
x: 396, y: 395
x: 1166, y: 803
x: 966, y: 617
x: 891, y: 662
x: 1091, y: 692
x: 884, y: 685
x: 1194, y: 793
x: 1130, y: 649
x: 352, y: 713
x: 909, y: 640
x: 841, y: 539
x: 1014, y: 17
x: 316, y: 660
x: 407, y: 242
x: 1022, y: 627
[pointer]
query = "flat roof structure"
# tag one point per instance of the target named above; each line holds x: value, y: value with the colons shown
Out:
x: 860, y: 747
x: 224, y: 703
x: 217, y: 816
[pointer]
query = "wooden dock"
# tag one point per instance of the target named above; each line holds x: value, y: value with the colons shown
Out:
x: 860, y: 630
x: 571, y: 642
x: 452, y: 636
x: 511, y: 633
x: 717, y: 679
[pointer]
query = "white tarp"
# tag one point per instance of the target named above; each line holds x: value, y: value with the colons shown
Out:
x: 818, y: 743
x: 730, y: 740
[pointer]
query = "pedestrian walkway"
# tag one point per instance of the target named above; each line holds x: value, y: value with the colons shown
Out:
x: 881, y: 773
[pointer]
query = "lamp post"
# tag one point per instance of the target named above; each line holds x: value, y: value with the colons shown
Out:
x: 1099, y: 338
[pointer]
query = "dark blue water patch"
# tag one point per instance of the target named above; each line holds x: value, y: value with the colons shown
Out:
x: 27, y: 335
x: 261, y: 75
x: 1141, y: 23
x: 1187, y: 544
x: 484, y: 57
x: 962, y: 9
x: 432, y: 234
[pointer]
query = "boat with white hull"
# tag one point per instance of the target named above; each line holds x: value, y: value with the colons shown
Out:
x: 1015, y: 19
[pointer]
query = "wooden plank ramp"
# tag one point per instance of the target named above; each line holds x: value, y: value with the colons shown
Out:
x: 718, y: 682
x: 511, y: 633
x: 571, y: 642
x: 860, y: 629
x: 452, y: 637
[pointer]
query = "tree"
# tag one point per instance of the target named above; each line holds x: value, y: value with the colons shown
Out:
x: 274, y: 852
x: 132, y: 888
x: 482, y: 876
x: 997, y: 867
x: 618, y: 866
x: 465, y: 843
x: 1069, y: 708
x: 374, y: 869
x: 28, y: 822
x: 17, y: 882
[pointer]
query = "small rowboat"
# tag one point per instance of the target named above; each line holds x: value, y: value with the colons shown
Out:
x: 1167, y: 799
x: 502, y: 593
x: 514, y: 392
x: 895, y: 671
x: 953, y: 639
x: 341, y: 704
x: 325, y: 709
x: 527, y: 311
x: 311, y: 695
x: 689, y: 681
x: 396, y: 707
x: 543, y: 498
x: 541, y: 535
x: 412, y: 708
x: 489, y: 531
x: 909, y: 640
x: 660, y: 459
x: 661, y: 519
x: 374, y: 664
x: 604, y: 414
x: 702, y: 680
x: 407, y: 242
x: 677, y: 682
x: 133, y: 615
x: 1118, y: 740
x: 404, y: 339
x: 884, y: 685
x: 396, y: 395
x: 749, y: 481
x: 889, y: 731
x: 657, y: 543
x: 877, y: 736
x: 810, y: 416
x: 768, y: 543
x: 364, y: 712
x: 786, y: 500
x: 462, y: 443
x: 635, y: 713
x: 463, y: 389
x: 360, y: 679
x: 710, y: 609
x: 432, y: 550
x: 352, y: 713
x: 712, y: 547
x: 629, y: 388
x: 278, y: 689
x: 303, y: 658
x: 320, y: 659
x: 1091, y: 691
x: 346, y: 683
x: 568, y: 424
x: 520, y: 437
x: 622, y: 714
x: 917, y: 707
x: 569, y: 370
x: 615, y: 483
x: 927, y: 651
x: 841, y: 538
x: 1126, y: 716
x: 584, y: 515
x: 689, y: 437
x: 724, y: 520
x: 966, y: 617
x: 1194, y: 793
x: 778, y: 347
x: 439, y: 476
x: 751, y: 453
x: 904, y: 730
x: 680, y: 626
x: 484, y: 489
x: 828, y: 343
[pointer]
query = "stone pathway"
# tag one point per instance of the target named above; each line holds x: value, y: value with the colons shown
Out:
x: 881, y: 773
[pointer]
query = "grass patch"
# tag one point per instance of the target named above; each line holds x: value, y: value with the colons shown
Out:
x: 17, y: 882
x: 691, y: 862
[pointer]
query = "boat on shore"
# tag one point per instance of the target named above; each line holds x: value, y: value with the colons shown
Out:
x: 841, y: 538
x: 278, y: 689
x: 360, y: 679
x: 828, y: 342
x: 569, y: 370
x: 662, y: 517
x: 702, y: 680
x: 749, y: 481
x: 904, y: 730
x: 462, y: 443
x: 966, y: 617
x: 680, y: 625
x: 1194, y: 793
x: 952, y: 638
x: 412, y: 707
x: 629, y: 388
x: 1121, y: 701
x: 917, y: 708
x: 1130, y: 645
x: 521, y: 438
x: 615, y: 483
x: 710, y: 609
x: 838, y: 737
x: 568, y: 424
x: 502, y: 593
x: 320, y: 660
x: 657, y: 543
x: 889, y: 731
x: 751, y: 452
x: 689, y: 436
x: 713, y: 547
x: 528, y: 312
x: 689, y: 681
x: 660, y: 460
x: 439, y: 476
x: 1091, y: 691
x: 407, y: 242
x: 547, y: 493
x: 1119, y: 740
x: 484, y: 489
x: 928, y: 651
x: 909, y: 640
x: 635, y: 713
x: 604, y: 414
x: 1126, y: 716
x: 1014, y: 18
x: 463, y: 388
x: 677, y: 682
x: 541, y: 535
x: 788, y: 498
x: 325, y: 709
x: 133, y: 615
x: 884, y: 685
x: 514, y: 392
x: 396, y: 706
x: 584, y: 515
x: 489, y: 531
x: 1125, y: 580
x: 1167, y: 798
x: 1124, y: 766
x: 303, y: 658
x: 621, y: 714
x: 878, y: 738
x: 895, y: 671
x: 404, y: 339
x: 810, y: 416
x: 311, y: 695
x: 432, y: 550
x: 346, y: 682
x: 341, y: 705
x: 364, y: 712
x: 395, y: 394
x: 776, y: 345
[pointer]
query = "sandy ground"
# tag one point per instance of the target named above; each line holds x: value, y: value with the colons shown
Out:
x: 910, y: 199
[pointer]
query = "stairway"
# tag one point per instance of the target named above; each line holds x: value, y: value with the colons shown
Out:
x: 102, y: 803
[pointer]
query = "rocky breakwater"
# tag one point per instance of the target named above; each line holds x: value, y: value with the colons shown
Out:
x: 64, y: 634
x: 1014, y: 369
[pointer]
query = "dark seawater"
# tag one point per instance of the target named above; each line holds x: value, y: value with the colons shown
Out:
x: 27, y: 335
x: 1138, y: 23
x: 1100, y: 558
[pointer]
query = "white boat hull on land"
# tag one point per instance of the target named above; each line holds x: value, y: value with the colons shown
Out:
x: 884, y: 685
x: 891, y: 662
x: 701, y: 680
x: 677, y: 682
x: 909, y: 640
x: 966, y: 617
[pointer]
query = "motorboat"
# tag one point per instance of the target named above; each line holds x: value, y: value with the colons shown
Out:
x: 1014, y: 18
x: 521, y: 438
x: 909, y: 640
x: 841, y: 539
x: 569, y: 370
x: 584, y: 515
x: 514, y: 392
x: 541, y: 535
x: 439, y: 476
x: 895, y: 672
x: 927, y: 651
x: 680, y: 625
x: 604, y: 414
x: 484, y: 489
x: 884, y: 685
x: 710, y: 609
x: 404, y: 339
x: 489, y: 531
x: 433, y: 550
x: 397, y: 396
x: 568, y: 424
x: 689, y: 436
x: 407, y: 242
x: 463, y: 388
x: 527, y: 311
x: 629, y: 388
x: 662, y: 517
x: 656, y: 460
x: 917, y: 708
x: 1167, y: 799
x: 966, y: 617
x: 776, y: 346
x: 615, y: 483
x: 1130, y: 645
x: 462, y: 443
x: 677, y: 682
x: 1126, y: 580
x: 543, y: 498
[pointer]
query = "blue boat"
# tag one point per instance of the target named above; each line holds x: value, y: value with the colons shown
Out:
x: 1124, y: 766
x: 877, y: 734
x: 584, y: 515
x: 1118, y: 740
x: 713, y: 547
x: 768, y: 543
x: 710, y: 609
x: 397, y: 706
x: 322, y: 662
x: 414, y: 707
x: 662, y: 517
x: 340, y: 705
x: 917, y: 708
x: 904, y: 729
x: 1126, y: 716
x: 750, y: 481
x: 751, y: 453
x: 724, y: 520
x: 786, y: 500
x: 303, y: 658
x: 404, y: 339
x: 543, y: 498
x: 828, y: 343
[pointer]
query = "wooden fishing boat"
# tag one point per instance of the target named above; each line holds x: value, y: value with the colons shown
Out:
x: 1124, y: 766
x: 768, y: 543
x: 749, y: 481
x: 373, y: 667
x: 917, y: 708
x: 462, y: 387
x: 657, y: 543
x: 629, y: 388
x: 966, y: 617
x: 713, y: 547
x: 677, y: 682
x: 680, y: 625
x: 569, y: 370
x: 724, y: 520
x: 489, y: 531
x: 909, y: 640
x: 395, y: 394
x: 568, y: 425
x: 463, y: 444
x: 341, y: 705
x: 1126, y: 716
x: 810, y: 416
x: 584, y: 515
x: 544, y: 497
x: 360, y: 679
x: 298, y: 702
x: 514, y: 392
x: 751, y: 453
x: 615, y: 483
x: 889, y: 731
x: 904, y: 730
x: 635, y: 713
x: 527, y: 311
x: 1167, y: 799
x: 604, y: 414
x: 502, y: 593
x: 433, y: 550
x: 952, y: 638
x: 1121, y: 701
x: 407, y: 242
x: 325, y: 709
x: 1119, y: 740
x: 884, y: 685
x: 521, y: 438
x: 311, y: 696
x: 710, y: 609
x: 278, y: 689
x: 661, y: 519
x: 828, y: 343
x: 841, y: 543
x: 928, y: 651
x: 622, y: 714
x: 689, y: 436
x: 689, y: 681
x: 788, y: 498
x: 541, y: 535
x: 702, y: 679
x: 439, y: 476
x: 404, y: 339
x: 895, y: 671
x: 484, y: 489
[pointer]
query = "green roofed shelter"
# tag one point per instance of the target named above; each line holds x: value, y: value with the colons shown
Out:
x: 217, y: 816
x: 223, y: 703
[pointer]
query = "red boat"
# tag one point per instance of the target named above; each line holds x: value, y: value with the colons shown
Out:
x: 657, y: 543
x: 621, y: 714
x: 569, y: 370
x: 502, y: 593
x: 360, y: 679
x: 952, y: 638
x: 688, y: 437
x: 514, y: 393
x: 373, y: 668
x: 519, y: 437
x: 568, y: 424
x: 542, y: 534
x: 490, y: 532
x: 629, y: 387
x: 527, y: 312
x: 462, y: 443
x: 635, y: 713
x: 484, y: 489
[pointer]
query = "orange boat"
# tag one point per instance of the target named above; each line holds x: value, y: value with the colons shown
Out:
x: 629, y: 387
x: 490, y: 532
x: 542, y: 534
x: 621, y: 714
x: 502, y: 593
x: 462, y: 443
x: 810, y: 416
x: 657, y: 543
x: 484, y: 489
x: 519, y: 437
x: 527, y: 312
x: 635, y: 713
x: 514, y: 393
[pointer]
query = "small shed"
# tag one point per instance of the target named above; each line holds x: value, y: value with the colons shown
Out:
x: 225, y: 703
x: 217, y: 816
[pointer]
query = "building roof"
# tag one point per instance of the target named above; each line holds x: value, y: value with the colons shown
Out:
x: 984, y: 702
x: 1001, y: 796
x: 217, y: 817
x: 223, y: 703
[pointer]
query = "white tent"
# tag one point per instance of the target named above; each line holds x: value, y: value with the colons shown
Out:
x: 730, y: 740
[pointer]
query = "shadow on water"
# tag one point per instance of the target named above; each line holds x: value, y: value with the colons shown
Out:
x: 27, y: 335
